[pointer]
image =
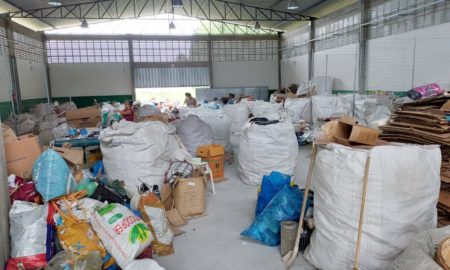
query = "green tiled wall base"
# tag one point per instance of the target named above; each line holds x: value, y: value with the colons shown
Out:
x: 5, y: 110
x: 374, y: 92
x: 90, y: 100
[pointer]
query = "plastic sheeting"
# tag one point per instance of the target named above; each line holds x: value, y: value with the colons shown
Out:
x: 28, y: 229
x: 265, y: 109
x: 264, y: 149
x: 401, y: 200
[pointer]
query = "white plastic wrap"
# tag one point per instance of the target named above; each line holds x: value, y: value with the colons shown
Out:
x: 193, y: 133
x: 28, y: 229
x: 420, y: 252
x: 219, y: 122
x: 131, y: 152
x: 401, y: 200
x: 328, y: 106
x: 264, y: 149
x: 238, y: 114
x: 298, y: 109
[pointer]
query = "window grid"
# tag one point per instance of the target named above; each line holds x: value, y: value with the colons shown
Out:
x: 163, y: 51
x: 28, y: 48
x: 244, y: 50
x: 87, y: 51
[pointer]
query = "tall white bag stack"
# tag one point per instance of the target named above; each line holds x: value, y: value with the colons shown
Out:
x: 238, y: 114
x: 402, y: 193
x: 267, y: 148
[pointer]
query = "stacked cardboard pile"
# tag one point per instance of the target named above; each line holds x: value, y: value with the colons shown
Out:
x: 426, y: 122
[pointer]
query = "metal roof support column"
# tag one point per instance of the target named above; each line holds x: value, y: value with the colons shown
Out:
x: 16, y: 97
x: 132, y: 67
x: 362, y: 55
x: 312, y: 36
x: 210, y: 63
x: 280, y: 56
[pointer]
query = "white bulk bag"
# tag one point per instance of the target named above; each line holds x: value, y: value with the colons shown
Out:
x: 123, y: 234
x: 218, y: 121
x: 264, y: 149
x: 238, y: 114
x: 28, y: 229
x: 298, y: 109
x: 402, y: 193
x: 268, y: 110
x: 193, y: 133
x: 131, y: 152
x: 326, y: 106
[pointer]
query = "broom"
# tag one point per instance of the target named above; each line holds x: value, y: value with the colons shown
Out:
x: 289, y: 258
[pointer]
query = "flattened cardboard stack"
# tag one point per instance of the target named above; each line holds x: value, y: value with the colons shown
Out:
x: 426, y: 122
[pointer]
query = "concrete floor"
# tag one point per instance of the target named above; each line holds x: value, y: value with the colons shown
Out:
x: 213, y: 241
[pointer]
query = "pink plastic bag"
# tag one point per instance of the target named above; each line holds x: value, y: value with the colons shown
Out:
x: 425, y: 91
x: 24, y: 191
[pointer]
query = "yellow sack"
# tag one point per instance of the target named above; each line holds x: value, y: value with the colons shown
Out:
x: 154, y: 215
x: 77, y: 236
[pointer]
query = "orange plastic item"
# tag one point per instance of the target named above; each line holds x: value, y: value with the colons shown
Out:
x: 214, y: 154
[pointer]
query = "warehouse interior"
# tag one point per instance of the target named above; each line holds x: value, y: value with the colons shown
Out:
x: 234, y: 134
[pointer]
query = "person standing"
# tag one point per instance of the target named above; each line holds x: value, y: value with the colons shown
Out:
x: 190, y: 101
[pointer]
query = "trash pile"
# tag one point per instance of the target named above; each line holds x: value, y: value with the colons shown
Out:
x: 116, y: 208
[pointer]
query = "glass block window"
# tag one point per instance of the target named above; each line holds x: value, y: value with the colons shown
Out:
x: 87, y: 51
x: 163, y: 51
x: 244, y: 50
x: 28, y: 48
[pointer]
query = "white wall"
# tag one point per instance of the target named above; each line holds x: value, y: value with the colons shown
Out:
x: 400, y: 62
x: 294, y: 70
x: 339, y: 63
x: 246, y: 73
x: 90, y: 79
x: 394, y: 63
x: 32, y: 79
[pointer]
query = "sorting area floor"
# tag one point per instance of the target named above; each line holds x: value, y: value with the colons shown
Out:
x: 213, y: 241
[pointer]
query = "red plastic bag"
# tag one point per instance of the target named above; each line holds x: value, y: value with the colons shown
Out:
x: 26, y: 263
x: 24, y: 191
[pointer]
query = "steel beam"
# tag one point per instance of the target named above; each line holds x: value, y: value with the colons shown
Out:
x: 312, y: 37
x: 217, y: 10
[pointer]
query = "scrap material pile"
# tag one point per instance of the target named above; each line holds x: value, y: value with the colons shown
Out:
x: 116, y: 211
x: 426, y: 122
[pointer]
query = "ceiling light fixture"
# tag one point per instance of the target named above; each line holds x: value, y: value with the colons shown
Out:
x: 84, y: 24
x: 54, y: 3
x: 172, y: 25
x: 292, y: 5
x: 257, y: 25
x: 177, y: 3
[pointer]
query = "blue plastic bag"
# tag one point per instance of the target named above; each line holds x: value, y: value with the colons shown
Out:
x: 284, y: 206
x: 270, y: 186
x: 51, y: 175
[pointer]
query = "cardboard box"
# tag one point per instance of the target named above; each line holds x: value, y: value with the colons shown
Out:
x: 21, y: 155
x: 347, y: 132
x: 83, y: 118
x: 214, y: 154
x: 189, y: 194
x: 162, y: 117
x: 73, y: 157
x: 9, y: 135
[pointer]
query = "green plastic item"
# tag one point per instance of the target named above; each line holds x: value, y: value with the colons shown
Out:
x: 89, y: 187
